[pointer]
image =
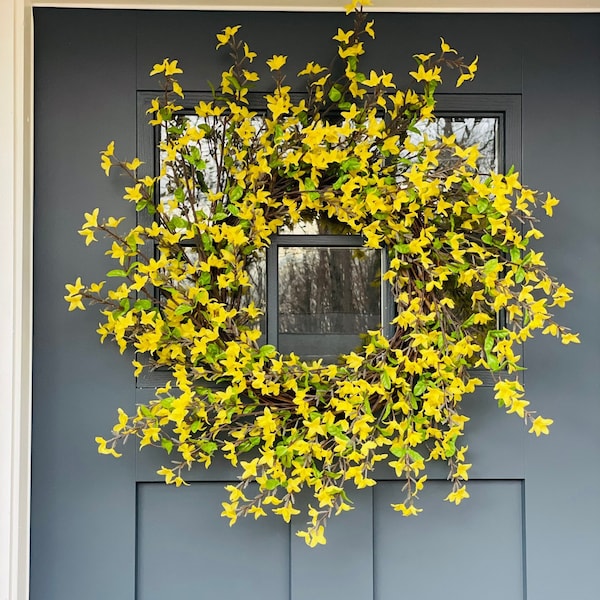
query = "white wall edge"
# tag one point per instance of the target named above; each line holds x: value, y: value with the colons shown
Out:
x: 478, y: 6
x: 15, y: 277
x: 16, y: 208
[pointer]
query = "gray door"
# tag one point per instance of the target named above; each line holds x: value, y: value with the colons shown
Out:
x: 110, y: 529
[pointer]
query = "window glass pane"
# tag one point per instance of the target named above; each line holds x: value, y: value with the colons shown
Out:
x: 327, y: 297
x: 469, y: 131
x: 317, y: 225
x: 205, y: 138
x: 257, y: 292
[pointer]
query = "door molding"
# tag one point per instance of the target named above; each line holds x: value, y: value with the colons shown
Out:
x: 16, y: 206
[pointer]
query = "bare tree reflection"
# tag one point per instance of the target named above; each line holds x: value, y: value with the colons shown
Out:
x: 469, y: 131
x: 332, y: 292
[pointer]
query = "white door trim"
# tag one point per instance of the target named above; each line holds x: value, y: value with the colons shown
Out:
x: 16, y: 220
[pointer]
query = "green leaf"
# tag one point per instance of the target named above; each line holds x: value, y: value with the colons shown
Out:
x: 520, y: 275
x: 277, y: 132
x: 335, y: 95
x: 206, y: 242
x: 398, y: 452
x: 340, y: 181
x: 515, y: 254
x: 179, y: 195
x: 386, y: 381
x: 271, y: 484
x: 183, y: 308
x: 490, y: 340
x: 482, y: 205
x: 414, y: 454
x: 309, y: 184
x: 117, y: 273
x: 468, y: 322
x: 490, y: 265
x: 492, y: 362
x: 236, y: 193
x: 167, y: 444
x: 247, y: 445
x: 267, y: 350
x: 420, y: 387
x: 351, y: 164
x: 178, y: 223
x: 208, y: 447
x: 143, y: 304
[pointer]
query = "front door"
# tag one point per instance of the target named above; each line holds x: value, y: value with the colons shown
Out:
x: 111, y: 529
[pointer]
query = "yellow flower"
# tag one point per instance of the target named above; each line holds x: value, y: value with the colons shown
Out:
x: 353, y: 360
x: 461, y: 471
x: 549, y: 204
x: 257, y: 511
x: 407, y: 511
x: 570, y: 338
x: 134, y: 164
x: 171, y: 67
x: 227, y: 34
x: 133, y: 193
x: 91, y: 219
x: 89, y: 235
x: 117, y: 252
x: 138, y: 367
x: 540, y: 425
x: 286, y: 512
x: 422, y: 74
x: 75, y: 302
x: 95, y: 288
x: 248, y: 54
x: 102, y: 449
x: 446, y: 48
x: 112, y: 222
x: 356, y: 5
x: 343, y: 36
x: 167, y: 67
x: 312, y: 68
x: 276, y: 62
x: 74, y: 298
x: 471, y: 69
x: 458, y: 495
x: 249, y: 468
x: 230, y: 511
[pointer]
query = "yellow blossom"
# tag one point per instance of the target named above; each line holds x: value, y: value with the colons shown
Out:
x: 276, y: 62
x: 540, y: 426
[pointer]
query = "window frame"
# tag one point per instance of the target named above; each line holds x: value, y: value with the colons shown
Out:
x: 505, y: 107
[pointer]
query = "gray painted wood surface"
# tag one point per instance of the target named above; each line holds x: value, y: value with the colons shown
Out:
x: 528, y: 531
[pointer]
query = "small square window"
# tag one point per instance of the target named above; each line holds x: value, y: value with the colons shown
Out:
x: 327, y: 297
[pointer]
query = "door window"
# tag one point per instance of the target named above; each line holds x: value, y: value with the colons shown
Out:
x: 319, y: 288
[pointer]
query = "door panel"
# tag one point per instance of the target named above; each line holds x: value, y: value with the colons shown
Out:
x: 476, y: 547
x: 102, y: 527
x: 188, y: 553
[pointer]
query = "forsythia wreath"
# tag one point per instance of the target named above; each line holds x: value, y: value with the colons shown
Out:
x: 351, y: 150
